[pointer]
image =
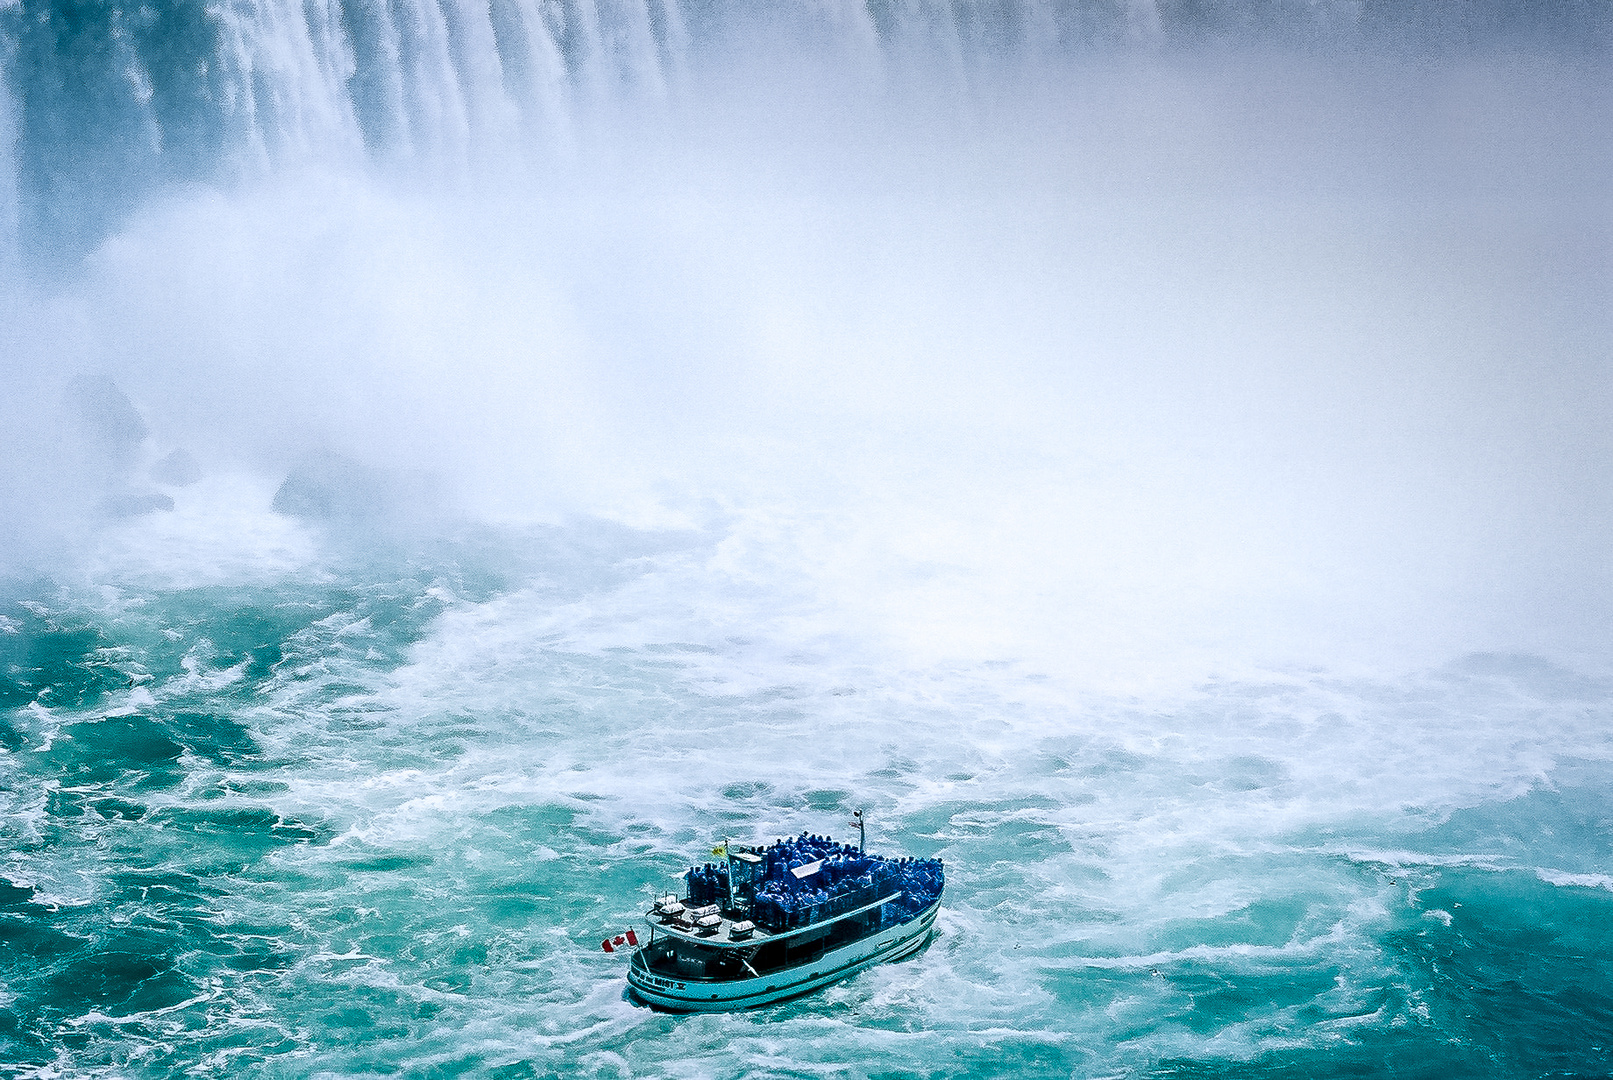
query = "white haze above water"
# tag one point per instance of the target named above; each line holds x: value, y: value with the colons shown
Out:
x: 1131, y: 373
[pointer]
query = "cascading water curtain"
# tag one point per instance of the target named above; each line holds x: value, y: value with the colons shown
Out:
x: 109, y: 101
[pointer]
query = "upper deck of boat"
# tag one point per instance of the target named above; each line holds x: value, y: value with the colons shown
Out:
x: 680, y: 921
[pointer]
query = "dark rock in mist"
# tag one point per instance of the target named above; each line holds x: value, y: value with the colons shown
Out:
x: 97, y: 446
x: 108, y: 419
x: 337, y: 490
x: 328, y: 487
x: 178, y: 469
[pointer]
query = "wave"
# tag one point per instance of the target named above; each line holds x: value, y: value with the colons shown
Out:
x: 1581, y: 881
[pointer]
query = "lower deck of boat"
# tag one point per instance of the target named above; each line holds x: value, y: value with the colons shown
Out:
x: 658, y: 978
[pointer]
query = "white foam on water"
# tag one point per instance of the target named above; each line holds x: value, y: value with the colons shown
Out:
x: 221, y: 531
x: 1121, y: 825
x: 1581, y: 881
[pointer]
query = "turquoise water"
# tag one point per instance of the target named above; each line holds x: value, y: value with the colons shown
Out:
x: 375, y: 820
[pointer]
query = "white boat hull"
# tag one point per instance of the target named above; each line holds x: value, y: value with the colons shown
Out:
x: 703, y: 995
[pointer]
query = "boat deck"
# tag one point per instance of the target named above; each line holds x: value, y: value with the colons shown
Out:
x: 722, y: 934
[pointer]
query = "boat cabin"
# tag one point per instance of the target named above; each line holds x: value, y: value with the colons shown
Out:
x: 705, y: 943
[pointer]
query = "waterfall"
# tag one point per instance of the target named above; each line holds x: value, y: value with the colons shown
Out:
x: 287, y: 66
x: 8, y: 159
x: 104, y: 103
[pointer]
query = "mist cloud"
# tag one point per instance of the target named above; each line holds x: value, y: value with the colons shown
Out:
x: 1132, y: 363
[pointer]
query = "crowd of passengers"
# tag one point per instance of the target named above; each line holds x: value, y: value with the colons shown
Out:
x: 847, y: 879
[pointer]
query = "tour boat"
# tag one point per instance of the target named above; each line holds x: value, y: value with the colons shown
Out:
x: 777, y: 921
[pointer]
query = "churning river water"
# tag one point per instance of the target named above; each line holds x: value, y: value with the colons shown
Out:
x: 373, y: 817
x: 460, y: 462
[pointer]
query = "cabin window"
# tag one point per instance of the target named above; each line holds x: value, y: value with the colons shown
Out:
x: 769, y: 957
x: 683, y: 960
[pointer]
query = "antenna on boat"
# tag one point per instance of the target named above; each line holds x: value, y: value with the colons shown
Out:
x: 862, y: 835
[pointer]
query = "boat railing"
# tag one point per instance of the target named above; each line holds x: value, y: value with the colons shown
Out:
x: 683, y: 930
x: 830, y: 920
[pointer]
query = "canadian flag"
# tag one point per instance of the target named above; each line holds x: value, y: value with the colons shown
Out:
x: 612, y: 944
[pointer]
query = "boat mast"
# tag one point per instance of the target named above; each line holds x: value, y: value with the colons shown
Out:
x: 862, y: 836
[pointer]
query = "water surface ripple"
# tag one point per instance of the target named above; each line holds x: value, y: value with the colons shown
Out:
x: 378, y: 823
